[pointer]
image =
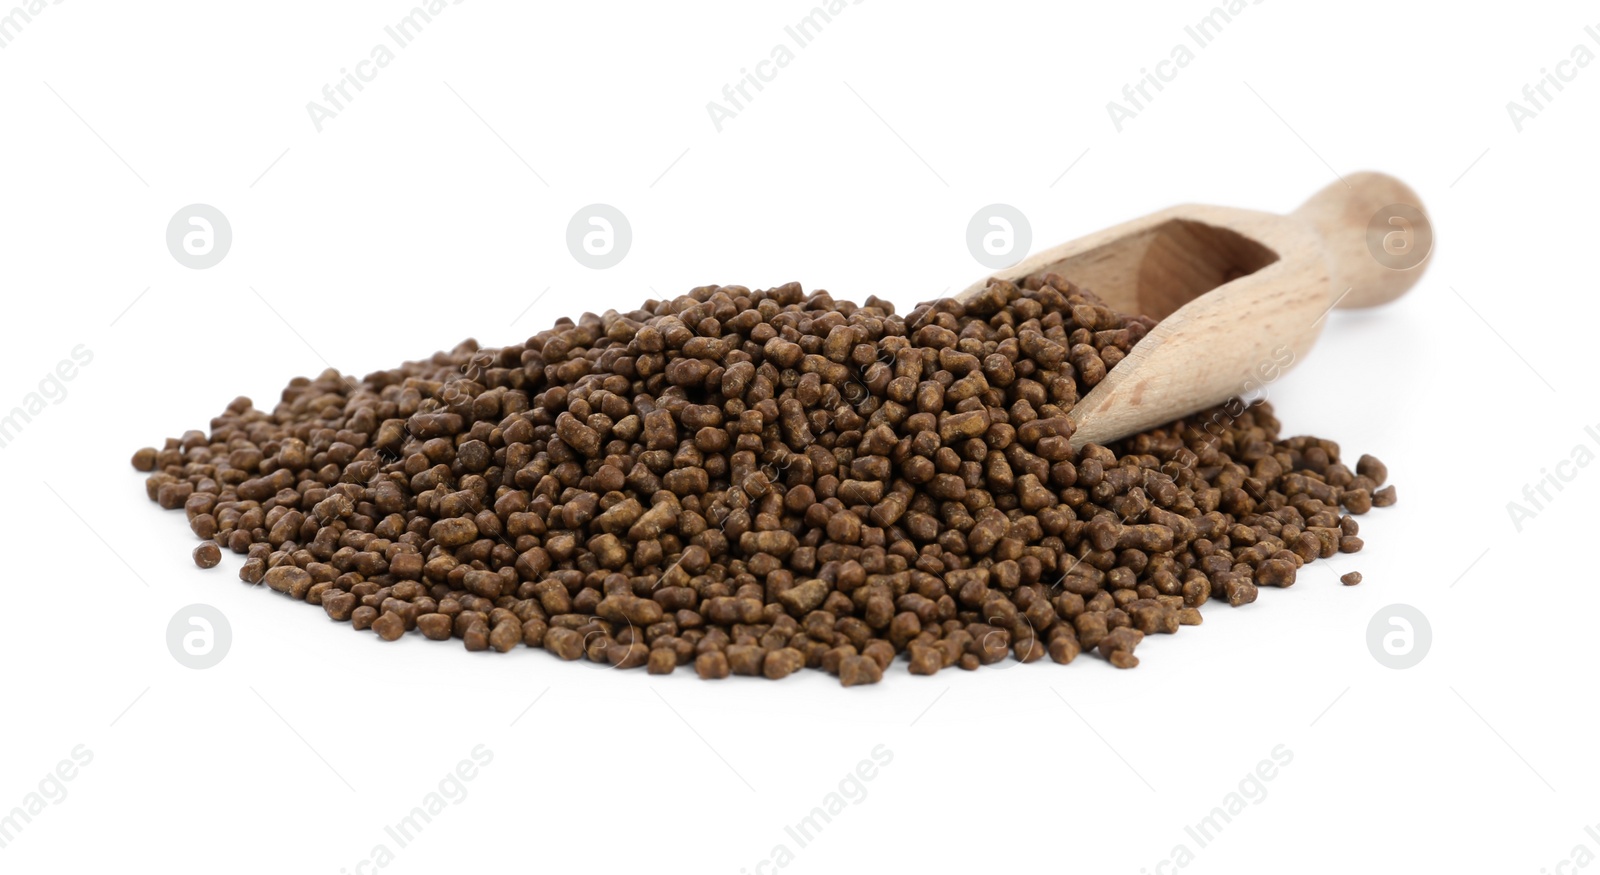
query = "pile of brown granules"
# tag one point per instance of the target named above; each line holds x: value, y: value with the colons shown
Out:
x: 753, y: 482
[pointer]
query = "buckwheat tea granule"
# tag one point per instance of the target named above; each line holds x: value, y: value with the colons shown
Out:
x: 756, y: 482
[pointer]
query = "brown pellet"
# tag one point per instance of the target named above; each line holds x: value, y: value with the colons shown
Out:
x: 1369, y: 467
x: 1064, y: 649
x: 434, y: 626
x: 712, y: 665
x: 925, y: 659
x: 564, y: 643
x: 761, y: 481
x: 207, y: 555
x: 782, y: 662
x: 505, y: 635
x: 746, y: 659
x: 1350, y: 579
x: 390, y: 626
x: 661, y: 661
x: 1275, y: 572
x: 289, y: 580
x: 857, y: 670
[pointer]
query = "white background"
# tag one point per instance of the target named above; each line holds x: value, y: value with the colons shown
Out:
x: 417, y: 217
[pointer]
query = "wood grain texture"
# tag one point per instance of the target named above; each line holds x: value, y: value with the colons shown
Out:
x: 1240, y: 295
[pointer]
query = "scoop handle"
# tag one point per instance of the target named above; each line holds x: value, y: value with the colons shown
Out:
x: 1375, y: 235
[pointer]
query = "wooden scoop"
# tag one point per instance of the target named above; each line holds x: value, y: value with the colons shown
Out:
x: 1240, y: 295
